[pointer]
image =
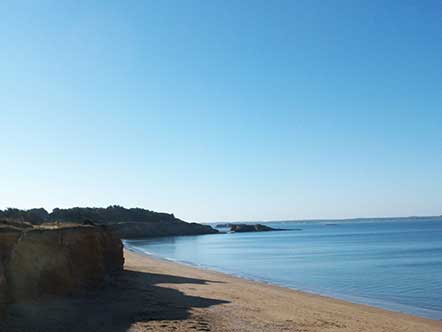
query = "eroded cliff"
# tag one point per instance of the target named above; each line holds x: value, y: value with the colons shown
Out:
x: 55, y: 261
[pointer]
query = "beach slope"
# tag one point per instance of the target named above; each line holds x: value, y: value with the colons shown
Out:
x: 252, y: 306
x: 158, y: 295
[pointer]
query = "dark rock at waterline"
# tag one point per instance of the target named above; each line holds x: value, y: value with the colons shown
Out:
x: 222, y: 225
x: 242, y: 228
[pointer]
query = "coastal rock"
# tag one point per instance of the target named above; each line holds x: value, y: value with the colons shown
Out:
x: 60, y: 261
x: 3, y: 291
x: 242, y: 228
x: 9, y: 236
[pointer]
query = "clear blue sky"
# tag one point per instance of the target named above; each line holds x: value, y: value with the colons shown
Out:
x: 223, y: 110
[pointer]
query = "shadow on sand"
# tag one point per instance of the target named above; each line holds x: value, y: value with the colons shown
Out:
x: 130, y: 297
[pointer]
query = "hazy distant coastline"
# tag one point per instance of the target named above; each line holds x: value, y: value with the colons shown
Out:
x: 326, y: 220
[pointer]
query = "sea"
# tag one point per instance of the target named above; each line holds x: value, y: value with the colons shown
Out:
x: 395, y: 264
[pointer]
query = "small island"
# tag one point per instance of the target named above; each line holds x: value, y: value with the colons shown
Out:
x: 227, y: 225
x: 243, y: 228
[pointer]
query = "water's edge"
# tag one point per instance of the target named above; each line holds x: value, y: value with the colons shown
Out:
x: 390, y: 306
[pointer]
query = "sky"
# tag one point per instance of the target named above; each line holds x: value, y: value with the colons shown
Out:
x: 223, y: 110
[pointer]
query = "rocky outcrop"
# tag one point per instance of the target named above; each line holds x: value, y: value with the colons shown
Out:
x: 242, y: 228
x: 57, y: 261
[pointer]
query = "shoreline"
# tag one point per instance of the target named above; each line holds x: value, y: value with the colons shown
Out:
x: 156, y: 295
x: 284, y: 308
x: 374, y: 303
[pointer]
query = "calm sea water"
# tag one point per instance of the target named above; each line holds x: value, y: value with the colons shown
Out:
x: 394, y: 264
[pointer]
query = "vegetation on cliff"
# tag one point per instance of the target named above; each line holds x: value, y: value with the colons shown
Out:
x: 32, y: 216
x: 123, y: 222
x: 111, y: 214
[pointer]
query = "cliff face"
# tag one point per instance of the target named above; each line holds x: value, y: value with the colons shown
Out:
x: 8, y: 238
x: 3, y: 290
x: 60, y: 261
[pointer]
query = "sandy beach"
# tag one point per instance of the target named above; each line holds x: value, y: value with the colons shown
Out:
x: 158, y: 295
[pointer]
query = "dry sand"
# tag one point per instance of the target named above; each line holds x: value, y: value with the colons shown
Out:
x: 157, y: 295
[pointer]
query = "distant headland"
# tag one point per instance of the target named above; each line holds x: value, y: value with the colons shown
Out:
x: 122, y: 222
